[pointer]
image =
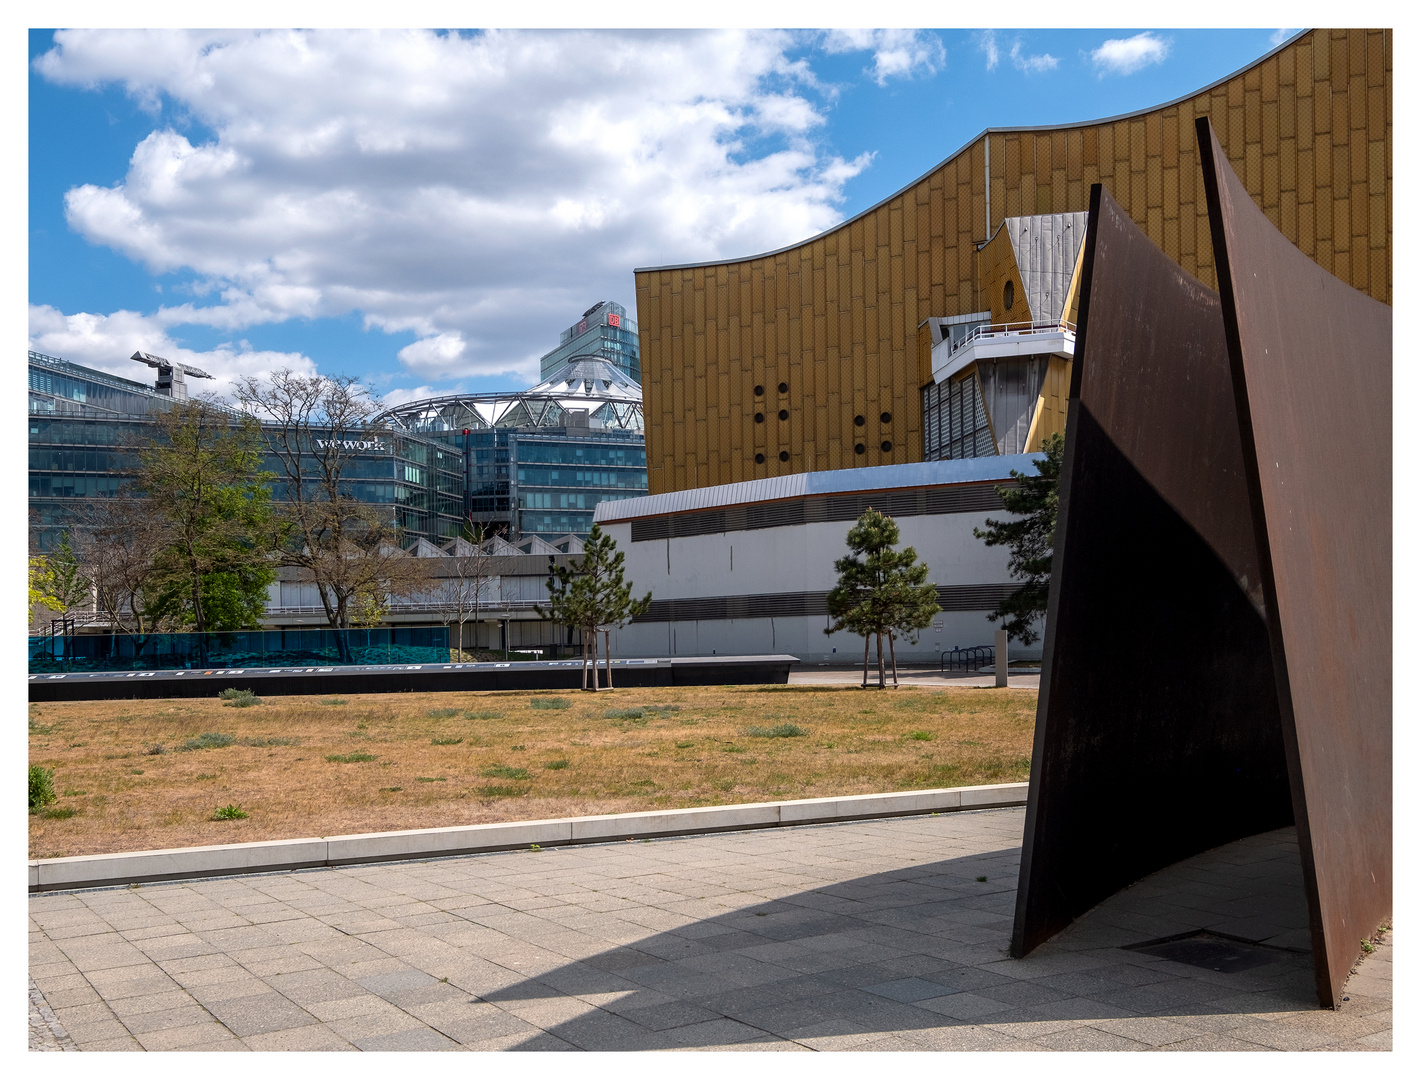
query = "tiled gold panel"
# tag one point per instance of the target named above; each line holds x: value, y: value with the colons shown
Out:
x: 837, y: 317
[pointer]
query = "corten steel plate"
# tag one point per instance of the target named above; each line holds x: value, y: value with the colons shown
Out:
x: 1311, y: 362
x: 1158, y: 733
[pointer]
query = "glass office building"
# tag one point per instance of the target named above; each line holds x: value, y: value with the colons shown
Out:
x: 84, y: 426
x: 539, y: 461
x: 603, y: 331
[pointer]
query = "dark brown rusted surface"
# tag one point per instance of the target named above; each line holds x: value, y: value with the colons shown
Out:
x: 1311, y: 363
x: 1158, y: 734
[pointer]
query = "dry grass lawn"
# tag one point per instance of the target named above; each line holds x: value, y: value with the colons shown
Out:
x: 306, y: 766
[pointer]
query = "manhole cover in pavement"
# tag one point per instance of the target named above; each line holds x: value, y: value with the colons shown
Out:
x: 1213, y: 951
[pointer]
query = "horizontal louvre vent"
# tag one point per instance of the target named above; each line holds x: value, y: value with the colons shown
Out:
x: 958, y: 499
x: 795, y: 605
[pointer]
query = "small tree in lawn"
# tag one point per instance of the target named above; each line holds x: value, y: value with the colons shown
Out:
x: 1031, y: 539
x: 880, y: 591
x: 593, y: 595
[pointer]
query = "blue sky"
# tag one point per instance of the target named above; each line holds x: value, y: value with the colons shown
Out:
x: 427, y: 211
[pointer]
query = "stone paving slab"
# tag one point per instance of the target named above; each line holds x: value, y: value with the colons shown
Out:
x: 871, y: 935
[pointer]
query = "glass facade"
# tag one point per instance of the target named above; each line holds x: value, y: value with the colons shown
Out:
x: 84, y: 425
x: 955, y: 420
x: 604, y: 330
x: 557, y: 479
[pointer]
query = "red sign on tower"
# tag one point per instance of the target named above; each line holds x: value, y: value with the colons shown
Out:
x: 613, y: 319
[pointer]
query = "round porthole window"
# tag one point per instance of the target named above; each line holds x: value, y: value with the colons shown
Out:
x: 784, y: 388
x: 784, y: 414
x: 759, y: 459
x: 887, y: 446
x: 784, y: 455
x: 886, y: 418
x: 759, y: 418
x: 1009, y: 295
x: 759, y: 391
x: 858, y: 421
x: 860, y: 448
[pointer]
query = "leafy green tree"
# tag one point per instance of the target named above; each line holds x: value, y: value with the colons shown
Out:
x: 593, y: 595
x: 881, y: 591
x: 1030, y: 538
x: 201, y: 475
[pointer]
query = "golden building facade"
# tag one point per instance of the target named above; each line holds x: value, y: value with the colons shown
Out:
x: 786, y: 362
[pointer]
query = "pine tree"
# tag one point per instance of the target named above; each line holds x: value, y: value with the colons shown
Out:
x: 880, y: 591
x: 593, y: 595
x: 1031, y: 538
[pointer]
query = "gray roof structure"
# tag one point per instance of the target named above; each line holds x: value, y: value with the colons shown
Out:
x: 830, y: 482
x: 1046, y: 247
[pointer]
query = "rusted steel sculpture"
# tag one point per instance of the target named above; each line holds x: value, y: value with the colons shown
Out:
x: 1311, y: 360
x: 1208, y: 673
x: 1157, y: 732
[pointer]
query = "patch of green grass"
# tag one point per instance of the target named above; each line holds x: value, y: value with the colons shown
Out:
x: 560, y: 763
x: 270, y: 741
x: 41, y: 787
x: 136, y: 772
x: 445, y: 742
x: 485, y: 715
x: 70, y: 792
x: 230, y: 812
x: 623, y: 714
x: 386, y: 790
x: 59, y: 813
x: 349, y: 759
x: 206, y: 776
x: 442, y: 714
x: 520, y: 746
x: 42, y: 729
x: 506, y: 772
x: 239, y: 699
x: 981, y: 877
x: 209, y: 740
x: 333, y: 701
x: 431, y: 779
x: 779, y: 731
x: 76, y: 745
x: 501, y: 791
x: 731, y: 748
x: 549, y: 703
x: 684, y: 745
x: 921, y: 736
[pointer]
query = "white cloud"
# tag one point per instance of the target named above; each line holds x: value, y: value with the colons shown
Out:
x: 106, y: 342
x: 896, y: 53
x: 1125, y: 56
x: 1032, y: 65
x: 479, y: 190
x: 1282, y: 35
x: 987, y: 42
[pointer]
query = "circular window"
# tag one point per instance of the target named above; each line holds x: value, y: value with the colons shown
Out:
x: 784, y: 455
x: 759, y: 459
x: 886, y: 418
x: 759, y: 391
x: 784, y: 388
x: 759, y: 418
x: 887, y: 446
x: 1009, y: 295
x: 784, y: 414
x: 859, y: 448
x: 858, y: 421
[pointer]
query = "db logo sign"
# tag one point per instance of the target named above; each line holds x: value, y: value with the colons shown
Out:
x: 614, y: 319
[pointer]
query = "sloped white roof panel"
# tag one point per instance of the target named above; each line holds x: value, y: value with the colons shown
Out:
x: 832, y: 482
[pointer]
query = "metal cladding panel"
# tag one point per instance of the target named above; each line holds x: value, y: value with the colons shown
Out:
x: 1158, y: 734
x: 1046, y: 247
x: 1311, y: 361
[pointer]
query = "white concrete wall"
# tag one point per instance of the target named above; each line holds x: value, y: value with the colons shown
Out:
x: 799, y: 558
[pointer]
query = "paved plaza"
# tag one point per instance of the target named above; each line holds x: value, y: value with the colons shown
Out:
x: 874, y: 935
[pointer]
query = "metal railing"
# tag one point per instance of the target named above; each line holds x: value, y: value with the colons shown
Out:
x: 973, y: 658
x: 991, y: 330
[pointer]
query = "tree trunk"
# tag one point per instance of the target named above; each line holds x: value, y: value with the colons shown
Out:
x: 584, y: 661
x: 596, y: 685
x: 864, y: 684
x: 878, y: 652
x: 893, y: 656
x: 607, y: 642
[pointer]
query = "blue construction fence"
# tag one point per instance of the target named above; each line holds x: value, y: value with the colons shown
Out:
x: 240, y: 649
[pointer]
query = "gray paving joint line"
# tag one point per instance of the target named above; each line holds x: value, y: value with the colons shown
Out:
x: 265, y: 857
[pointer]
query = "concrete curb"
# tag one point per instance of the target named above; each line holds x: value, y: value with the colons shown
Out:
x: 266, y: 856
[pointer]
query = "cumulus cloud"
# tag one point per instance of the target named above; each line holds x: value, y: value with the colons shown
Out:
x: 1281, y: 35
x: 987, y: 43
x: 896, y: 53
x: 106, y: 342
x: 1031, y: 65
x: 1125, y: 56
x: 477, y: 190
